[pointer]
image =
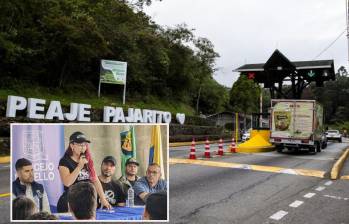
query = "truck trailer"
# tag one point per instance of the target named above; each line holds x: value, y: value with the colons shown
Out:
x: 296, y: 125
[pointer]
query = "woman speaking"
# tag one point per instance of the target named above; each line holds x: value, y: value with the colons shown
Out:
x: 76, y: 165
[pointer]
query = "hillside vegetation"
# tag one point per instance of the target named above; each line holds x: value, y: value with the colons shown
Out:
x: 58, y: 45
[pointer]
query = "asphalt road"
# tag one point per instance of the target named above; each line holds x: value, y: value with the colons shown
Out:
x: 4, y: 189
x: 215, y: 194
x: 208, y: 194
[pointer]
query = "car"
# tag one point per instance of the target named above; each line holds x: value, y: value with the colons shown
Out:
x: 245, y: 136
x: 334, y: 135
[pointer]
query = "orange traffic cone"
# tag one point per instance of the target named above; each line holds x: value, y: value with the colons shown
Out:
x: 220, y: 147
x: 207, y: 148
x: 233, y: 146
x: 192, y: 150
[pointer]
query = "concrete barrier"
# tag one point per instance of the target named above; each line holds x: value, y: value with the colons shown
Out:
x: 337, y: 167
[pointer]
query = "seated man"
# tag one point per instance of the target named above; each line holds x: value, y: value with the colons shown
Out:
x: 130, y: 177
x: 112, y: 188
x: 25, y: 185
x: 156, y: 206
x: 82, y: 201
x: 151, y: 183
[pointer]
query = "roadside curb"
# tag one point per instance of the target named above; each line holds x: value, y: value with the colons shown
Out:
x: 177, y: 144
x: 5, y: 159
x: 337, y: 167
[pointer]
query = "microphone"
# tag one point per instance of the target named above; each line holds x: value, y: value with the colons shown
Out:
x: 83, y: 155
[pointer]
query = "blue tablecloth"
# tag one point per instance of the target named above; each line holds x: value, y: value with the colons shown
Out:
x: 116, y: 213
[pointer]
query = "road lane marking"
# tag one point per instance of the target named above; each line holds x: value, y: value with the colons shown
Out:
x: 4, y: 195
x: 288, y: 171
x: 336, y: 197
x: 309, y: 195
x: 279, y: 215
x: 328, y: 183
x: 320, y: 188
x: 296, y: 203
x: 272, y: 169
x: 272, y: 154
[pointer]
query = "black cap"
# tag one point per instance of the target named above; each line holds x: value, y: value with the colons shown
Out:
x: 78, y: 137
x: 109, y: 159
x: 132, y: 160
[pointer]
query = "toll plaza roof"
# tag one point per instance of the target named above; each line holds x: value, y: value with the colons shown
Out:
x: 278, y: 67
x: 298, y: 64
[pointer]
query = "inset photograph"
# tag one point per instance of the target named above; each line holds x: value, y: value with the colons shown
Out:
x: 94, y: 172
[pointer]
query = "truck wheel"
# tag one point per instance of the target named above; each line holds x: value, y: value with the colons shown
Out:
x: 318, y: 147
x: 340, y: 140
x: 312, y: 150
x: 279, y: 148
x: 324, y: 145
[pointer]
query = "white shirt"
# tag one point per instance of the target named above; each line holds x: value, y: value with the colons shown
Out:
x: 45, y: 204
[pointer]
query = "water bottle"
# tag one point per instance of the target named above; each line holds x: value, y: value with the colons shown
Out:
x: 130, y: 198
x: 37, y: 202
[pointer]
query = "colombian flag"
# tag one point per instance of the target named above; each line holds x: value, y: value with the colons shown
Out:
x: 155, y: 152
x: 128, y: 146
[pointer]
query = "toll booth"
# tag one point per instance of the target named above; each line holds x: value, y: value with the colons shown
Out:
x: 279, y: 69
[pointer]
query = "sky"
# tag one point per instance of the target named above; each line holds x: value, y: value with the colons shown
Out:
x: 248, y: 31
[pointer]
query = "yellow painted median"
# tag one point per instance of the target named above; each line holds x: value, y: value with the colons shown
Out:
x: 339, y: 164
x: 5, y: 159
x: 271, y: 169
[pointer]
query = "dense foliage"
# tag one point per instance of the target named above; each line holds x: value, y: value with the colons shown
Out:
x: 244, y: 96
x: 335, y: 98
x: 59, y: 44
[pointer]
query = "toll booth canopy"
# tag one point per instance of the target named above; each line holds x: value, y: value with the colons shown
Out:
x: 279, y: 69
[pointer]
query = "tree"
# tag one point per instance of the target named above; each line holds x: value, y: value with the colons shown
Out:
x: 334, y: 96
x: 244, y: 96
x: 59, y: 44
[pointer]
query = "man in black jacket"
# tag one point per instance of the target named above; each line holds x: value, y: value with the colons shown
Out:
x: 25, y: 185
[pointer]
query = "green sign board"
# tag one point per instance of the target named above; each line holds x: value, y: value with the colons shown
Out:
x: 311, y: 74
x: 113, y: 72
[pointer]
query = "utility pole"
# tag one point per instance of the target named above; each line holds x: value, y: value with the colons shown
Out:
x: 347, y: 19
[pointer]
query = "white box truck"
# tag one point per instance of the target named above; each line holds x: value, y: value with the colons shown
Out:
x: 297, y: 124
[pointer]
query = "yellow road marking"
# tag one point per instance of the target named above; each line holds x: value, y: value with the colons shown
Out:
x: 272, y: 169
x: 344, y: 177
x: 4, y: 195
x: 5, y: 159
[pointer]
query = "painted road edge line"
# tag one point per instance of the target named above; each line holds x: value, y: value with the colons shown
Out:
x: 339, y: 164
x: 320, y: 188
x: 328, y: 183
x: 309, y: 195
x: 272, y: 169
x: 345, y: 177
x: 5, y: 195
x: 296, y: 203
x: 279, y: 215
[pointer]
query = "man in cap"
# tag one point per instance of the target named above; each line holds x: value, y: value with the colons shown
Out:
x: 130, y: 177
x: 112, y: 188
x: 25, y: 185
